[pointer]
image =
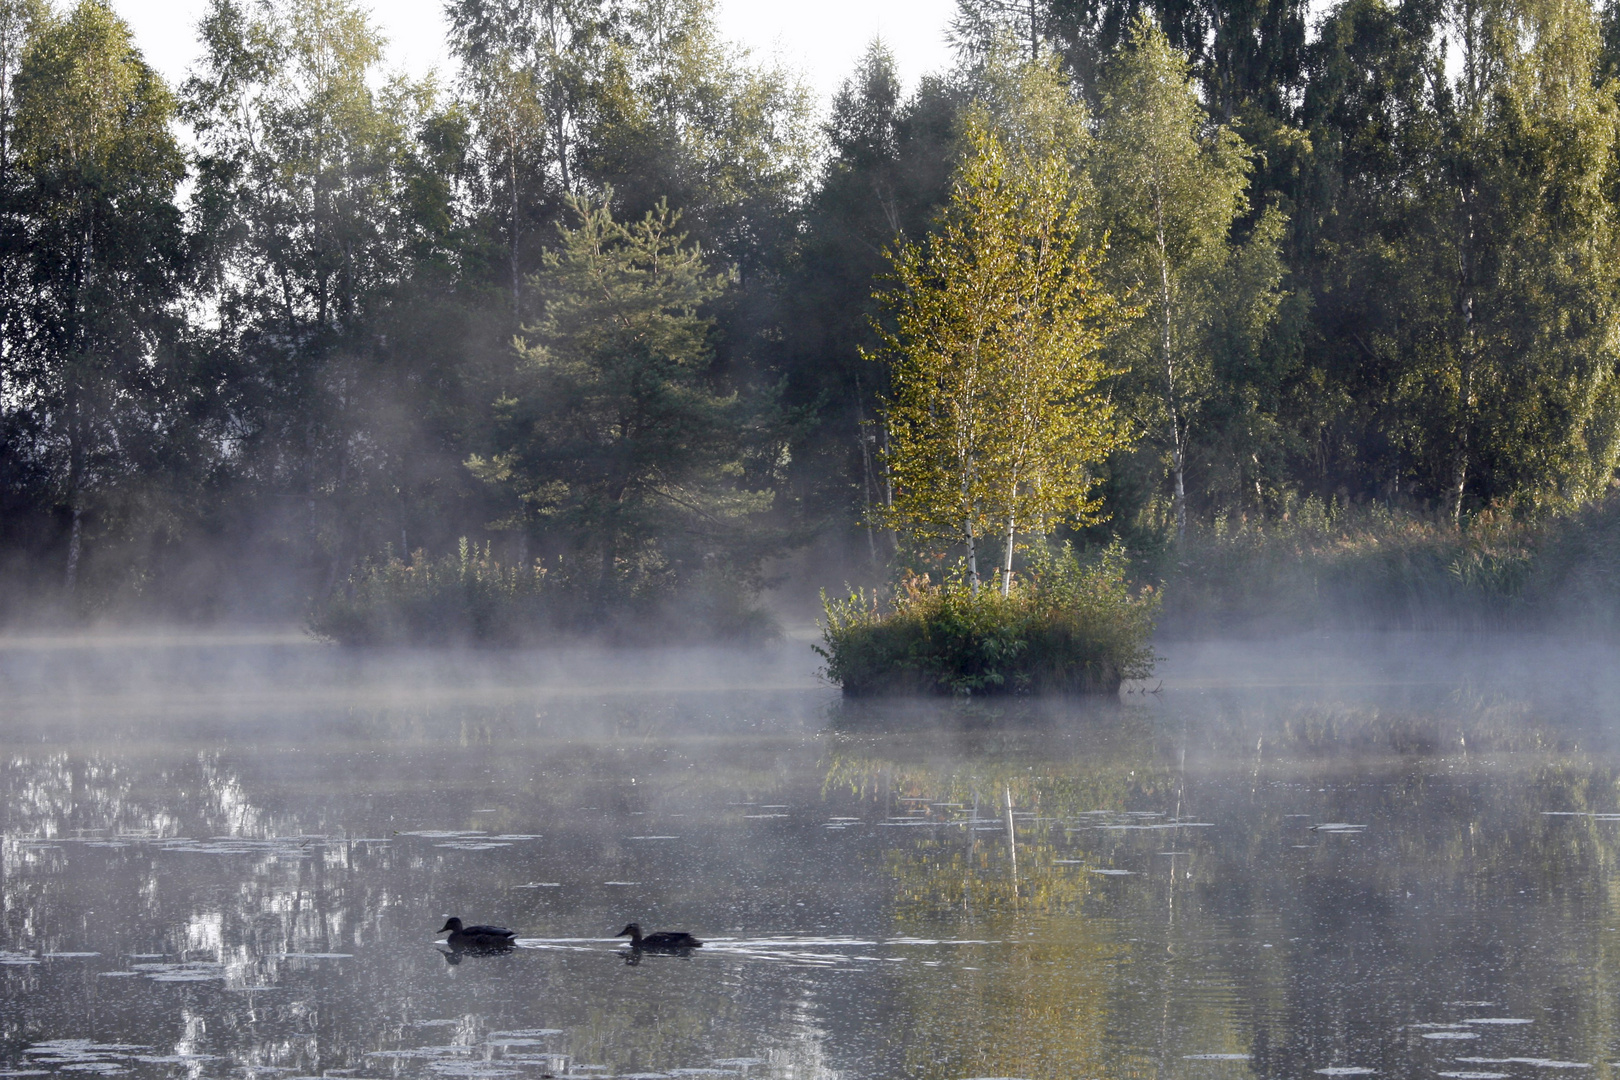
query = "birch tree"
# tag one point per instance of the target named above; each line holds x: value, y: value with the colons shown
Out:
x: 1509, y: 388
x: 1173, y: 186
x: 997, y: 409
x: 101, y: 269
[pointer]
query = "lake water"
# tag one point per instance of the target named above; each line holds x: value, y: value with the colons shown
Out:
x: 1392, y: 857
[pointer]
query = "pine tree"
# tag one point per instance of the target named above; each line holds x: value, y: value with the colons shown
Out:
x: 616, y: 445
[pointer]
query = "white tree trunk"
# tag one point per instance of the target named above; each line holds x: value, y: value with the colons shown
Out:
x: 972, y: 560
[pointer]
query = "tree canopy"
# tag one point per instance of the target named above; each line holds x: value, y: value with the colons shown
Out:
x: 607, y: 291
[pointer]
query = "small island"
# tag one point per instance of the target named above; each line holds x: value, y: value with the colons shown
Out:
x: 1066, y: 628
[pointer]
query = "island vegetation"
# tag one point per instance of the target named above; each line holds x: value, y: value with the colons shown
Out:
x: 1290, y: 317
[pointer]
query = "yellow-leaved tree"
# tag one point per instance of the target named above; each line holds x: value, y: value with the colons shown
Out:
x: 995, y: 326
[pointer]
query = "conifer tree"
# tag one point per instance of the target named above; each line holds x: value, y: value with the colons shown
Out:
x: 616, y: 444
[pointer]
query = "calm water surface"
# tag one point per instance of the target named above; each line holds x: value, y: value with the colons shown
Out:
x: 1390, y: 857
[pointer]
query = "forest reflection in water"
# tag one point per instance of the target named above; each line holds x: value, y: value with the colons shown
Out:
x: 1232, y: 877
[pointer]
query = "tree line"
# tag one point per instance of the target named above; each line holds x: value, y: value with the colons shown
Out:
x: 621, y: 303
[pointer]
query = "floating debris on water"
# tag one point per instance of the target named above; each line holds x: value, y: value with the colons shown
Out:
x: 83, y: 1055
x: 193, y: 971
x: 1165, y: 825
x: 1497, y: 1020
x: 1540, y: 1063
x: 101, y: 1068
x: 471, y: 1068
x: 316, y: 956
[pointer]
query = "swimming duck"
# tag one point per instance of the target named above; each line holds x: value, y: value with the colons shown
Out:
x: 663, y: 940
x: 477, y: 937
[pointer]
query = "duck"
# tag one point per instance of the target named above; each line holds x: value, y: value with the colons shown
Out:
x: 477, y: 937
x: 663, y: 940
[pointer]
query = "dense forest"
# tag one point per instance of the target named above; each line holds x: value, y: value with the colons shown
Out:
x: 606, y: 303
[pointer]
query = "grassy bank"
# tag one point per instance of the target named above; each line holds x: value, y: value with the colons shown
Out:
x: 1064, y: 627
x: 1323, y: 566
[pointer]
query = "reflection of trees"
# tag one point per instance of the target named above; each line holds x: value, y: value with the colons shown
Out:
x: 1457, y: 875
x: 323, y: 797
x: 1460, y: 872
x: 1005, y: 811
x: 1044, y: 989
x: 1461, y: 880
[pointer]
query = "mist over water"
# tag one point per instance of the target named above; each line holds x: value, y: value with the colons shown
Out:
x: 1387, y: 855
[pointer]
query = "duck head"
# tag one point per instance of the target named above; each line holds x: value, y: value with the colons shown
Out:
x: 632, y: 931
x: 451, y: 925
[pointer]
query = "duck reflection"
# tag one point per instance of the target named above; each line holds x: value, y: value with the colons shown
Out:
x: 455, y: 953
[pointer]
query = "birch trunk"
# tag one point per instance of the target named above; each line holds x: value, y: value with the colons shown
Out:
x: 972, y: 559
x: 1178, y: 456
x: 1007, y: 558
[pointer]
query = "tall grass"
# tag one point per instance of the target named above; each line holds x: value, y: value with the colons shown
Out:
x: 471, y: 597
x: 468, y: 596
x: 1321, y: 565
x: 1064, y: 627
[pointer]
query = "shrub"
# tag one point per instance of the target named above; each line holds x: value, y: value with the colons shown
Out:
x: 1064, y: 627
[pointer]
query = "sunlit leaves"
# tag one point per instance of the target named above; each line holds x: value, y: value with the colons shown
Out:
x: 997, y: 408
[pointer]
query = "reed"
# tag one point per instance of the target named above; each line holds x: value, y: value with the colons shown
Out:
x: 468, y: 597
x: 1325, y: 566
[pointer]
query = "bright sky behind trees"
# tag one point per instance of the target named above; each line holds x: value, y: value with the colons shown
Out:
x: 823, y: 40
